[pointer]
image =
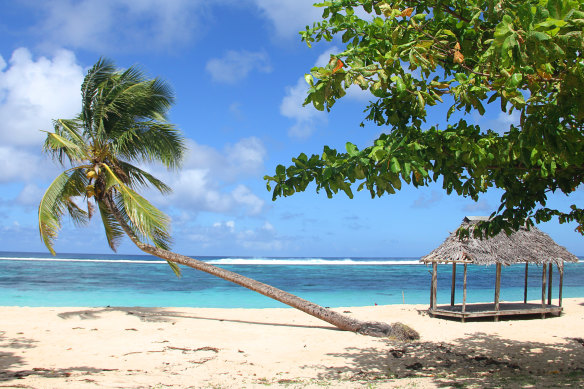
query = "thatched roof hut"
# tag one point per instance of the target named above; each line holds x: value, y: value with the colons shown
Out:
x: 529, y: 246
x: 533, y: 246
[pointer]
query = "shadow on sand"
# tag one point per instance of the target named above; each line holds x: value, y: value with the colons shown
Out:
x: 11, y: 364
x: 164, y: 315
x: 481, y: 361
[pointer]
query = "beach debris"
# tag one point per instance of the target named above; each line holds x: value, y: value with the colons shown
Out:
x: 579, y: 340
x: 403, y: 333
x: 202, y: 360
x: 44, y: 372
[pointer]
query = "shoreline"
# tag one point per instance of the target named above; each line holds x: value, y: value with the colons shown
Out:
x: 137, y: 347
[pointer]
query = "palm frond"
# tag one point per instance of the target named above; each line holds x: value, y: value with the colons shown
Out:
x: 90, y: 89
x: 79, y: 216
x: 149, y: 221
x: 146, y: 221
x: 56, y: 201
x: 153, y: 142
x: 113, y: 231
x: 174, y: 268
x: 66, y: 142
x: 139, y: 178
x: 162, y: 98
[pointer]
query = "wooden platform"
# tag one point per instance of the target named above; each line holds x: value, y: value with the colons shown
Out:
x: 488, y: 310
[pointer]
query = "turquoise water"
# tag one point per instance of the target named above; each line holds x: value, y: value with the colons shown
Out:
x: 35, y: 279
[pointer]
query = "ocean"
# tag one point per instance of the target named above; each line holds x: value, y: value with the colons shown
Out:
x: 98, y: 280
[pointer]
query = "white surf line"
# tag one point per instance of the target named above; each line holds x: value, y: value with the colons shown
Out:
x: 79, y: 260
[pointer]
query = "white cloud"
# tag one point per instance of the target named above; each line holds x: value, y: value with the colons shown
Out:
x: 102, y: 25
x: 243, y: 158
x: 505, y: 120
x: 34, y: 92
x: 325, y: 57
x: 223, y: 234
x: 197, y: 190
x: 496, y: 120
x: 204, y: 183
x: 19, y: 165
x: 236, y: 65
x: 30, y: 195
x: 235, y: 110
x: 429, y: 201
x: 228, y: 226
x: 480, y: 206
x: 288, y: 17
x: 242, y: 196
x: 247, y: 155
x: 306, y: 117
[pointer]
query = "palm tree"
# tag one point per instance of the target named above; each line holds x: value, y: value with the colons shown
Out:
x: 122, y: 122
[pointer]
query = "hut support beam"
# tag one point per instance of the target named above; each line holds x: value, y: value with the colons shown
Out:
x: 561, y: 271
x: 550, y: 284
x: 453, y: 291
x: 525, y: 287
x: 464, y: 293
x: 497, y: 290
x: 543, y: 287
x: 434, y: 285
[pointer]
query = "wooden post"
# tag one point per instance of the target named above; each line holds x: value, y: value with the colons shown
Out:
x: 550, y: 284
x: 561, y: 271
x: 543, y: 288
x: 464, y: 292
x: 434, y: 285
x: 525, y: 288
x: 497, y: 290
x: 453, y: 284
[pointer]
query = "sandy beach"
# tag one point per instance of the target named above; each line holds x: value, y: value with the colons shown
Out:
x: 249, y: 348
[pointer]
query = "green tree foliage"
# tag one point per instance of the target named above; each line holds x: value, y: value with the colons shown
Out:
x: 521, y: 55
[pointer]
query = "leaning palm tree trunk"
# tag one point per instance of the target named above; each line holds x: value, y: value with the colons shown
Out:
x: 340, y: 321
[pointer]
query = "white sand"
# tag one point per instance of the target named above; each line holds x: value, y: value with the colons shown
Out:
x: 236, y: 348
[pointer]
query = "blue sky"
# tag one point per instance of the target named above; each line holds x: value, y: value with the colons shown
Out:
x: 237, y: 70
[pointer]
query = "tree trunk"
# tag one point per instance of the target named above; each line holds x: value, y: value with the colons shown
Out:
x: 340, y: 321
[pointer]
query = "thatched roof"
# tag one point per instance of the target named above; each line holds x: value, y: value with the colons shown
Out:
x: 533, y: 246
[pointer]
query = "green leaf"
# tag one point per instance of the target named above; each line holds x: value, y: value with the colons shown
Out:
x: 174, y: 268
x: 377, y: 153
x: 533, y: 156
x: 461, y: 77
x: 399, y: 84
x: 394, y: 165
x: 407, y: 169
x: 352, y: 149
x: 515, y: 80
